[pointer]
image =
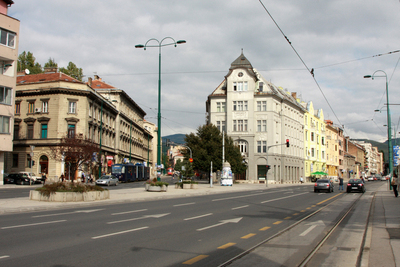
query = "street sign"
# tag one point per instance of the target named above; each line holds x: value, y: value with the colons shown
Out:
x: 190, y: 160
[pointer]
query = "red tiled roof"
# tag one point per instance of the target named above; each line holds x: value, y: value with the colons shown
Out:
x: 97, y: 84
x: 45, y: 77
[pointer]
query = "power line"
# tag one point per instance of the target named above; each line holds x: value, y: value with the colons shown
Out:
x: 348, y: 61
x: 311, y: 71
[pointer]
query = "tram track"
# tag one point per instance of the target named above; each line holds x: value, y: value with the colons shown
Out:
x: 344, y: 214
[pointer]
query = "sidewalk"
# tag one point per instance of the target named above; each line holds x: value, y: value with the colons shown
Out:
x: 382, y: 238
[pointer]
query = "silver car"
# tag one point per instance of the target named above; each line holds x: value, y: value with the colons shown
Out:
x: 107, y: 180
x: 323, y: 184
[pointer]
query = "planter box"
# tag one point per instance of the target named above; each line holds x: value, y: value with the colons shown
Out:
x: 187, y: 186
x: 157, y: 188
x: 70, y: 196
x: 194, y: 186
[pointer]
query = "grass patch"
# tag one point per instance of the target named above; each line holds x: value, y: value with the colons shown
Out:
x: 48, y: 189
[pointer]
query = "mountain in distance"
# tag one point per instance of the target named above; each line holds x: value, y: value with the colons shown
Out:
x: 176, y: 138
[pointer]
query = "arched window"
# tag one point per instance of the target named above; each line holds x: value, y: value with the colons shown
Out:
x: 44, y: 164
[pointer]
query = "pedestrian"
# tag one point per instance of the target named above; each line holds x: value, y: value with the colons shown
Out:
x: 44, y: 178
x: 341, y: 183
x: 62, y: 178
x: 301, y: 179
x: 394, y: 184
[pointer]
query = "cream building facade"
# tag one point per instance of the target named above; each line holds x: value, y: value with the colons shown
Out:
x: 9, y: 31
x: 53, y: 105
x: 259, y: 117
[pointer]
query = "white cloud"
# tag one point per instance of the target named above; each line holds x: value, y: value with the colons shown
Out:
x: 99, y: 37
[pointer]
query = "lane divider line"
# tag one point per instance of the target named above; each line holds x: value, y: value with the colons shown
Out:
x: 247, y: 236
x: 283, y: 197
x: 319, y: 203
x: 278, y: 222
x: 184, y: 204
x: 265, y: 228
x: 127, y: 212
x: 32, y: 224
x: 197, y: 217
x: 118, y: 233
x: 195, y: 259
x: 227, y: 245
x: 240, y: 207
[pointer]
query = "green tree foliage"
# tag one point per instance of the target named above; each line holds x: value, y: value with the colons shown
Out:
x: 73, y: 71
x: 27, y: 61
x: 51, y: 63
x: 206, y: 146
x: 178, y: 165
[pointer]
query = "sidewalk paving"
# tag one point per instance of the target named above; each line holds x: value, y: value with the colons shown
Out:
x: 382, y: 240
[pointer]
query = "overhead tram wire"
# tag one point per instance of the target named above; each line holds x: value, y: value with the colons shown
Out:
x: 305, y: 65
x: 222, y: 71
x: 348, y: 61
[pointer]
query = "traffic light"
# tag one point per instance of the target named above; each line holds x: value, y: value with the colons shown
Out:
x: 268, y: 167
x: 287, y: 142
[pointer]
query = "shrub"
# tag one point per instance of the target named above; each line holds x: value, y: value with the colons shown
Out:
x: 48, y: 189
x: 154, y: 182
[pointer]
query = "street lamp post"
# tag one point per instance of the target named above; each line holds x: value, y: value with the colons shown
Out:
x: 389, y: 124
x: 101, y: 133
x: 159, y: 45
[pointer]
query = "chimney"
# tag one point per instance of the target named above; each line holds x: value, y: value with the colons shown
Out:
x: 97, y: 78
x: 294, y: 95
x: 50, y: 70
x: 90, y: 81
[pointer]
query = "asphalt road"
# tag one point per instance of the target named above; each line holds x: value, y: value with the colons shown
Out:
x: 200, y: 231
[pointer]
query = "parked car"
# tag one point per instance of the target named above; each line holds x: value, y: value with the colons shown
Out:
x: 33, y: 177
x: 323, y: 184
x: 383, y: 178
x: 355, y: 185
x: 19, y: 178
x: 107, y: 180
x: 9, y: 179
x: 370, y: 178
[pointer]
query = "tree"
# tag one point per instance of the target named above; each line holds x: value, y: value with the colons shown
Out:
x: 27, y: 61
x: 73, y: 71
x: 178, y: 165
x: 75, y: 151
x: 51, y: 63
x: 206, y: 146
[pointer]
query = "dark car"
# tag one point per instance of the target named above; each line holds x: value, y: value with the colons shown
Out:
x: 17, y: 178
x: 9, y: 179
x: 323, y: 184
x: 355, y: 185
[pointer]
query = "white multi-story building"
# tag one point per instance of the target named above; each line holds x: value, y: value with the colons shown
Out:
x: 260, y: 117
x: 9, y: 31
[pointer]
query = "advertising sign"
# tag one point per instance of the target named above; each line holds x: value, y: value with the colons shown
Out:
x: 396, y: 155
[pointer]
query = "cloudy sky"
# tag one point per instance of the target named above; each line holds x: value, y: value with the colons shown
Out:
x: 342, y: 40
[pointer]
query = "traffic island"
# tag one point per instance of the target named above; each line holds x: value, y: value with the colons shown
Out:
x: 68, y: 192
x: 156, y: 186
x: 70, y: 196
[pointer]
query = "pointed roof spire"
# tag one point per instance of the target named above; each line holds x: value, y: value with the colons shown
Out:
x: 241, y: 62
